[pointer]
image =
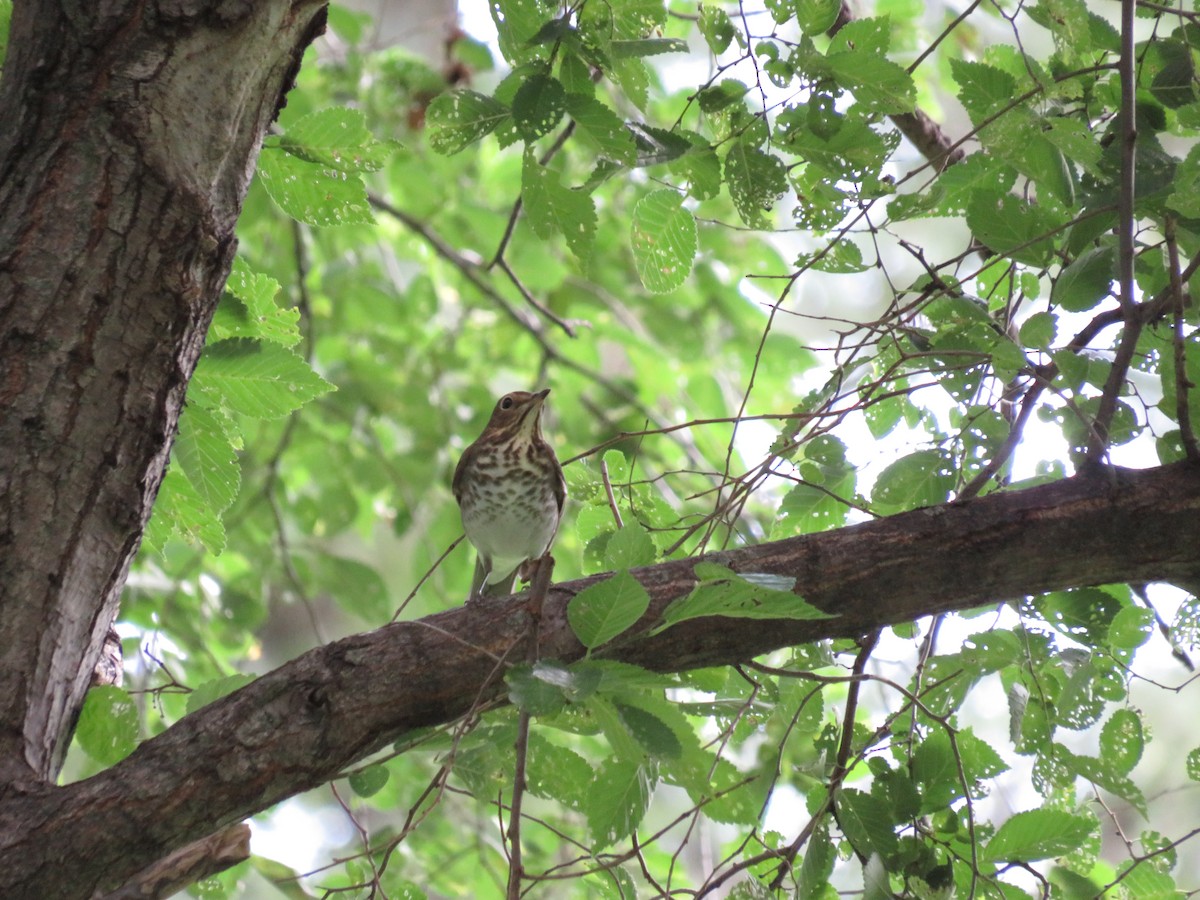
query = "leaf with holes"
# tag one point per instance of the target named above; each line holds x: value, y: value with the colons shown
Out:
x: 664, y: 241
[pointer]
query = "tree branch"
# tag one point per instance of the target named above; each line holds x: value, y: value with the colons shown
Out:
x: 303, y: 723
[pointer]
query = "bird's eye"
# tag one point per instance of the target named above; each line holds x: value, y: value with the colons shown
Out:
x: 506, y: 403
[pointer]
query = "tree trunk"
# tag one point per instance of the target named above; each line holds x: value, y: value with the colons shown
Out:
x: 130, y: 135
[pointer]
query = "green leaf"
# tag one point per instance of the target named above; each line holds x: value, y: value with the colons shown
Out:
x: 616, y: 801
x: 629, y: 547
x: 867, y: 823
x: 557, y: 773
x: 663, y: 236
x: 817, y: 865
x: 816, y: 16
x: 1011, y: 227
x: 600, y: 612
x: 338, y: 138
x: 206, y: 456
x: 1130, y: 628
x: 722, y: 592
x: 1086, y: 281
x: 209, y: 691
x: 1192, y: 764
x: 248, y: 309
x: 603, y: 126
x: 543, y: 688
x: 717, y: 29
x: 369, y: 781
x: 1122, y: 741
x: 983, y: 89
x: 1039, y: 330
x: 650, y: 731
x: 1174, y: 85
x: 924, y: 478
x: 756, y: 180
x: 310, y: 192
x: 877, y: 83
x: 1038, y: 834
x: 263, y: 381
x: 457, y: 119
x: 647, y: 47
x: 108, y: 728
x: 553, y: 208
x: 538, y: 106
x: 179, y: 508
x: 1142, y: 880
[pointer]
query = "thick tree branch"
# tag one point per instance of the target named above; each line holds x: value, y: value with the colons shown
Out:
x: 302, y: 724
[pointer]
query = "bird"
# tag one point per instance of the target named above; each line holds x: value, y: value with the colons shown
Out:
x: 510, y: 491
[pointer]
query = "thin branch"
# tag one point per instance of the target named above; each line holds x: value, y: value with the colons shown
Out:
x: 1130, y: 312
x: 537, y: 598
x: 1183, y: 413
x: 608, y: 490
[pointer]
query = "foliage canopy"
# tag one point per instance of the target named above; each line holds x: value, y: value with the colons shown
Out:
x: 766, y: 314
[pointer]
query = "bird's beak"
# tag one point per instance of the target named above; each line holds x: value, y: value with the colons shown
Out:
x: 540, y: 396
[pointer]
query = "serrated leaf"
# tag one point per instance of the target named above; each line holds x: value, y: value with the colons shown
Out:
x: 1192, y: 764
x: 248, y: 309
x: 722, y: 593
x: 338, y: 138
x: 552, y: 208
x: 646, y: 47
x: 629, y: 547
x: 457, y: 119
x: 924, y: 478
x: 756, y: 180
x: 600, y: 612
x: 718, y: 31
x: 108, y: 727
x: 663, y: 236
x: 655, y: 736
x: 877, y: 83
x: 1038, y: 834
x: 817, y: 865
x: 1131, y: 627
x: 313, y: 193
x: 369, y: 781
x: 867, y: 822
x: 263, y: 381
x: 603, y: 126
x: 816, y: 16
x: 538, y: 106
x: 1122, y: 741
x: 1039, y: 330
x: 207, y: 457
x: 179, y: 508
x: 1086, y: 281
x: 616, y: 801
x: 1011, y: 227
x: 557, y: 773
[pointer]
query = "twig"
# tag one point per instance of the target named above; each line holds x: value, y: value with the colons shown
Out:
x: 550, y: 153
x: 537, y: 598
x: 1130, y: 313
x: 533, y: 301
x: 612, y: 500
x: 1183, y: 413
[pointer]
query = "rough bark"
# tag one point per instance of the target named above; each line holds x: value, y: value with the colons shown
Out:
x: 130, y: 134
x: 300, y: 725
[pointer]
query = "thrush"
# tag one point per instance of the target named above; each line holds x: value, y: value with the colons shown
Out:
x: 510, y: 490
